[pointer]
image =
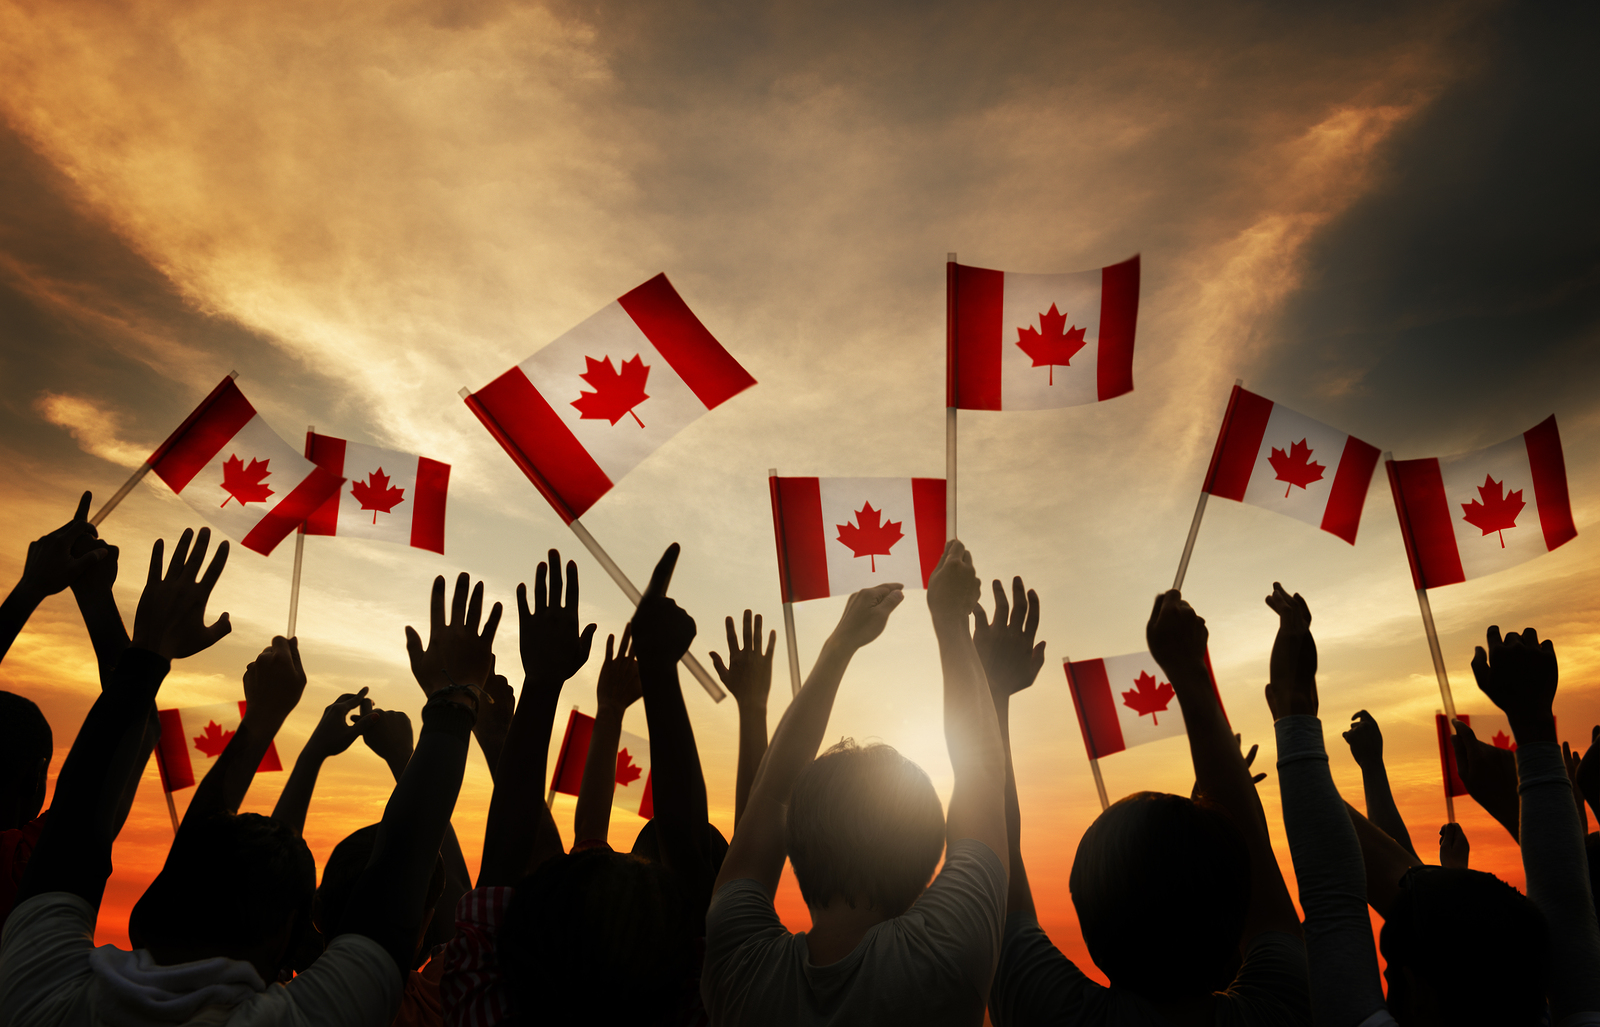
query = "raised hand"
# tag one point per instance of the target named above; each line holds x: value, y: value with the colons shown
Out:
x: 866, y: 613
x: 1250, y: 759
x: 100, y: 573
x: 57, y: 560
x: 1490, y: 774
x: 661, y: 631
x: 1292, y: 688
x: 748, y: 673
x: 1453, y: 847
x: 953, y: 588
x: 1176, y: 634
x: 389, y: 736
x: 457, y: 653
x: 171, y: 618
x: 494, y: 716
x: 343, y: 721
x: 1519, y: 675
x: 553, y: 649
x: 1365, y: 739
x: 274, y: 681
x: 1011, y: 660
x: 618, y: 687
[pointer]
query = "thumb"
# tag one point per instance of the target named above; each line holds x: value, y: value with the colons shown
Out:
x: 716, y: 662
x: 413, y: 645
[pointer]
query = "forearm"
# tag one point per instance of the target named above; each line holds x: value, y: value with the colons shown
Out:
x: 1384, y: 861
x: 592, y: 820
x: 15, y: 610
x: 520, y: 830
x: 1381, y: 808
x: 752, y: 747
x: 295, y: 799
x: 1019, y: 896
x: 492, y: 745
x: 74, y: 852
x: 678, y: 784
x: 228, y: 781
x: 103, y: 621
x: 972, y: 737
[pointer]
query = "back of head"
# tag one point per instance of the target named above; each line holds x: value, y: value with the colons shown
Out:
x: 343, y: 870
x: 1468, y: 947
x: 864, y: 824
x: 1161, y: 884
x: 601, y: 924
x: 26, y: 745
x: 230, y: 886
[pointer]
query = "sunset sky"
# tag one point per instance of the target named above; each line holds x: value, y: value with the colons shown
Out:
x: 1380, y: 215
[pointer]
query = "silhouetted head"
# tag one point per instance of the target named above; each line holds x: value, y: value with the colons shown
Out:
x: 648, y: 845
x: 1161, y: 884
x: 598, y: 929
x: 864, y: 825
x: 1463, y: 948
x: 25, y: 748
x: 235, y: 885
x: 339, y: 876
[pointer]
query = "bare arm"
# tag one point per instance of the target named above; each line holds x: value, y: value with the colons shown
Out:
x: 333, y: 734
x: 618, y: 688
x: 748, y: 677
x: 1385, y: 861
x: 1366, y: 746
x: 50, y: 567
x: 273, y: 684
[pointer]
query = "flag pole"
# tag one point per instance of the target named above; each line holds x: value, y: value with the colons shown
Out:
x: 1422, y: 597
x: 1099, y: 784
x: 595, y: 550
x: 145, y: 468
x: 172, y: 810
x: 1094, y: 761
x: 950, y: 397
x: 783, y: 576
x: 1200, y: 507
x: 299, y: 554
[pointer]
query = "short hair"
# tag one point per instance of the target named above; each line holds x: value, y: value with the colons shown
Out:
x: 25, y: 736
x: 598, y: 922
x: 864, y: 823
x: 227, y: 886
x: 1480, y: 945
x: 343, y: 870
x: 647, y: 843
x: 1161, y: 884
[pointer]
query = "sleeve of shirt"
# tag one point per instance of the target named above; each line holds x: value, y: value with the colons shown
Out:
x: 1557, y: 871
x: 1271, y: 987
x: 964, y: 911
x: 740, y: 912
x: 354, y: 983
x: 1034, y: 982
x: 44, y: 960
x: 472, y: 990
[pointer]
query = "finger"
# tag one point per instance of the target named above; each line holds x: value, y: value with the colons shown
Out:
x: 458, y: 599
x: 1495, y: 641
x: 586, y: 640
x: 1030, y: 627
x: 413, y: 645
x: 522, y: 601
x: 155, y: 570
x: 572, y: 585
x: 180, y: 552
x: 772, y: 641
x: 1019, y: 603
x: 755, y: 634
x: 294, y: 655
x: 216, y: 632
x: 436, y: 607
x: 541, y: 587
x: 213, y: 574
x: 475, y: 607
x: 1250, y: 757
x: 892, y: 600
x: 491, y: 625
x: 733, y: 639
x: 627, y: 641
x: 197, y: 555
x: 747, y: 629
x: 83, y: 508
x: 554, y: 559
x: 661, y: 577
x: 1480, y: 666
x: 1258, y: 779
x: 1002, y: 608
x: 611, y: 641
x: 1155, y: 611
x: 717, y: 665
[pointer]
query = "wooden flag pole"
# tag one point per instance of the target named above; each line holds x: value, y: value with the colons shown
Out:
x: 299, y: 554
x: 172, y: 809
x: 1200, y: 507
x: 1094, y: 762
x: 601, y: 556
x: 1438, y: 657
x: 950, y: 397
x: 783, y: 572
x: 144, y: 468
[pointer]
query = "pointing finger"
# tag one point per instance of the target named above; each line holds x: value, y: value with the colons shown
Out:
x: 661, y: 577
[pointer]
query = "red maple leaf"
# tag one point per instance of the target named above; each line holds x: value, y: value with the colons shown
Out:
x: 1049, y: 344
x: 375, y: 494
x: 1296, y: 466
x: 1503, y: 741
x: 214, y: 740
x: 867, y: 537
x: 1497, y: 512
x: 1147, y: 696
x: 615, y: 393
x: 244, y: 483
x: 627, y: 770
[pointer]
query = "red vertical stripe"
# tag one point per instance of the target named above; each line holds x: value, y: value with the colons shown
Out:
x: 1453, y: 785
x: 427, y: 516
x: 1349, y: 492
x: 327, y: 453
x: 1425, y: 523
x: 568, y: 776
x: 927, y: 503
x: 799, y: 505
x: 172, y: 753
x: 647, y: 804
x: 980, y: 294
x: 1097, y: 710
x: 709, y: 370
x: 276, y: 524
x: 1238, y: 444
x: 1119, y: 311
x: 1549, y: 469
x: 202, y: 435
x: 524, y: 425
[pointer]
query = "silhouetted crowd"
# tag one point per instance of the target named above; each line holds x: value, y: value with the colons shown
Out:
x: 1179, y: 898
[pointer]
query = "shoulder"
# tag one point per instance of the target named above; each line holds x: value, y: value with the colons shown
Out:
x: 1274, y: 978
x: 353, y: 983
x: 1034, y: 982
x: 971, y: 884
x: 44, y: 959
x: 741, y: 925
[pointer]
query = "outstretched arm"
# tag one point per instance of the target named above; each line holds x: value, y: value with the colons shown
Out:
x: 748, y: 676
x: 757, y: 851
x: 617, y: 689
x: 54, y: 562
x: 273, y: 684
x: 332, y: 735
x: 1384, y: 860
x: 1366, y: 745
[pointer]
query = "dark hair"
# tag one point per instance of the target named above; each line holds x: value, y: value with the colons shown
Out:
x: 340, y: 874
x: 648, y: 844
x: 1161, y: 884
x: 598, y: 923
x: 227, y: 886
x: 864, y: 823
x: 25, y: 736
x: 1475, y: 941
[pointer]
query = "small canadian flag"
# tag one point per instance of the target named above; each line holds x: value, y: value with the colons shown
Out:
x: 585, y: 410
x: 1270, y: 456
x: 632, y: 791
x: 397, y: 497
x: 1123, y: 701
x: 233, y: 469
x: 838, y: 535
x: 1470, y: 515
x: 1492, y: 728
x: 1031, y: 342
x: 193, y: 737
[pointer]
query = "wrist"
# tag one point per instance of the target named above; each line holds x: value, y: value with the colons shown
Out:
x: 1533, y: 727
x: 26, y: 591
x: 951, y: 622
x: 610, y: 711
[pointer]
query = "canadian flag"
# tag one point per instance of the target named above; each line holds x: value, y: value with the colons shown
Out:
x: 582, y: 412
x: 239, y: 474
x: 397, y: 497
x: 1488, y: 727
x: 632, y: 790
x: 1031, y: 342
x: 1470, y: 515
x: 1270, y: 456
x: 838, y: 535
x: 1123, y: 701
x: 193, y: 737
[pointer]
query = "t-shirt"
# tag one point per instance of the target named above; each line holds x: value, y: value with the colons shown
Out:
x: 930, y: 966
x: 1036, y: 984
x: 46, y: 980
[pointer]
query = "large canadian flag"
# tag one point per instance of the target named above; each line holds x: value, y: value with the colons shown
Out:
x: 397, y: 497
x: 1031, y: 342
x: 632, y: 791
x: 838, y: 535
x: 1470, y: 515
x: 1270, y: 456
x: 239, y: 474
x: 1492, y: 728
x: 1123, y: 701
x: 193, y: 737
x: 582, y: 412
